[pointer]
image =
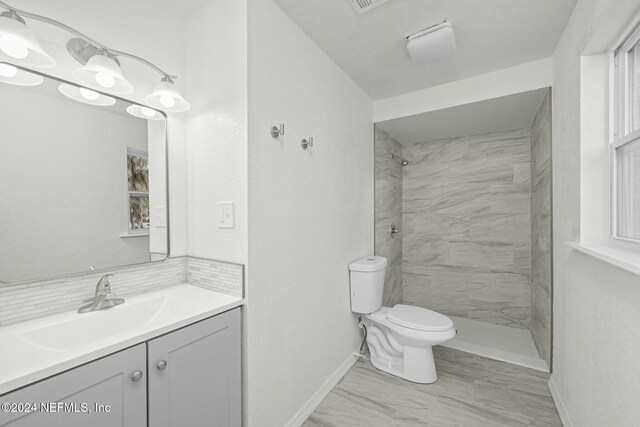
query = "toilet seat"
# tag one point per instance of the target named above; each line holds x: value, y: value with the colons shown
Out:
x: 419, y: 318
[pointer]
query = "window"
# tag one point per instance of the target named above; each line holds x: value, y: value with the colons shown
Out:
x: 138, y: 189
x: 625, y: 147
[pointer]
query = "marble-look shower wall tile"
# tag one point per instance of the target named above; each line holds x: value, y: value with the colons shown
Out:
x: 541, y: 280
x: 388, y: 207
x: 467, y: 227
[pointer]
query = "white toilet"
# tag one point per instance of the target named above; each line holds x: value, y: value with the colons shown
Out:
x: 399, y: 338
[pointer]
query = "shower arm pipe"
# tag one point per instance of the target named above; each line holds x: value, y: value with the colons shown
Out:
x: 88, y: 39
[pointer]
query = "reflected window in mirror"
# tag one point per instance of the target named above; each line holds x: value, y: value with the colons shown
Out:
x: 138, y: 189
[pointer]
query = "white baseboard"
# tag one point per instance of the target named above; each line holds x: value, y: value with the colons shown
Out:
x: 307, y: 409
x: 560, y: 406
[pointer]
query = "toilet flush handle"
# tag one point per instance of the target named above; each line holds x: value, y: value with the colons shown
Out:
x: 394, y: 230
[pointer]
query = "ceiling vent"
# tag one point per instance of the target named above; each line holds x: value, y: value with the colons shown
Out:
x: 362, y: 6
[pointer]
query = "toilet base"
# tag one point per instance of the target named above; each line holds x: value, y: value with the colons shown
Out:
x: 416, y: 365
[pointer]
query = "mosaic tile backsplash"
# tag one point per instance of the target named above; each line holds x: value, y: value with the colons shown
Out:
x: 28, y: 301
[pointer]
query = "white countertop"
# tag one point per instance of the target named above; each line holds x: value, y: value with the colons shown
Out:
x: 34, y: 350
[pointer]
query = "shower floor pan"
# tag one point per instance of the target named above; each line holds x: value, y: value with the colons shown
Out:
x: 497, y: 342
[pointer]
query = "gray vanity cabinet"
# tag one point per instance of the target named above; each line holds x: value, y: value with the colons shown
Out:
x: 194, y: 374
x: 113, y: 389
x: 188, y: 377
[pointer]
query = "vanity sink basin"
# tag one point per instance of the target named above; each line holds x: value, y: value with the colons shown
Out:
x: 36, y: 349
x: 85, y: 328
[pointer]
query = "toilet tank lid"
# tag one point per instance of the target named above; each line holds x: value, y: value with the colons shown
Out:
x: 371, y: 263
x: 419, y: 318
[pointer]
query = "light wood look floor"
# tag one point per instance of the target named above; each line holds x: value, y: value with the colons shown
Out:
x: 471, y: 391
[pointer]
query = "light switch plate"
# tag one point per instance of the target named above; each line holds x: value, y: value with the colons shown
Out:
x: 225, y: 214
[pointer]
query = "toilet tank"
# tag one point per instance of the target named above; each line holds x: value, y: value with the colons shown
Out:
x: 367, y: 284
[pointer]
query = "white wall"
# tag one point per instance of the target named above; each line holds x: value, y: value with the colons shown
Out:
x: 145, y: 30
x: 509, y: 81
x: 157, y: 149
x: 310, y: 214
x: 216, y: 59
x: 596, y: 306
x: 64, y: 181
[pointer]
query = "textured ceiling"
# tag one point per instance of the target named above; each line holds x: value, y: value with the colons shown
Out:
x: 371, y: 48
x: 507, y: 112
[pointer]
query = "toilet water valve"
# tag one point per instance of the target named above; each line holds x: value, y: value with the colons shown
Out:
x: 361, y: 354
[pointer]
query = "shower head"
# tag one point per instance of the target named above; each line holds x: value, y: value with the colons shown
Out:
x: 403, y: 161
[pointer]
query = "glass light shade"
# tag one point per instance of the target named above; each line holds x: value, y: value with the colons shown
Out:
x: 166, y: 97
x: 85, y: 96
x: 8, y: 70
x: 19, y: 45
x: 15, y: 76
x: 144, y: 112
x: 103, y: 73
x: 89, y: 94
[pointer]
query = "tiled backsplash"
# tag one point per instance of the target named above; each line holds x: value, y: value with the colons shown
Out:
x: 36, y: 299
x: 228, y: 278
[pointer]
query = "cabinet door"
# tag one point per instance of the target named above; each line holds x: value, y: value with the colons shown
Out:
x: 194, y: 374
x: 79, y: 397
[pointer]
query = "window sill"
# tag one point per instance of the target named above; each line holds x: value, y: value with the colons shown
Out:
x: 625, y: 259
x: 126, y: 236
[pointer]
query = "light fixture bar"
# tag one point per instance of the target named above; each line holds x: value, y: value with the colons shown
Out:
x: 77, y: 33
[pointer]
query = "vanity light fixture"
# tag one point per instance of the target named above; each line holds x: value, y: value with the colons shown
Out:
x: 19, y: 44
x: 86, y: 96
x: 100, y: 64
x: 14, y: 76
x: 144, y: 112
x: 165, y: 96
x: 102, y: 72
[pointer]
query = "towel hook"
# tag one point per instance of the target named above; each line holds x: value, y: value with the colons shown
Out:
x: 306, y: 143
x: 277, y: 131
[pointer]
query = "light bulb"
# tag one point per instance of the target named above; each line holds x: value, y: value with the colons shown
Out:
x: 13, y: 47
x: 89, y: 94
x: 7, y: 70
x: 148, y: 112
x: 167, y: 101
x: 105, y: 80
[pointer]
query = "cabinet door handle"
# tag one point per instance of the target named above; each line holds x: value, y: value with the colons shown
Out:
x: 136, y: 376
x: 162, y: 365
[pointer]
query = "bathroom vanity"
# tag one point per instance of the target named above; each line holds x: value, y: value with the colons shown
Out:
x: 166, y: 358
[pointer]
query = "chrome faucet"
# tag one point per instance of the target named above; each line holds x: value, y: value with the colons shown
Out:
x: 103, y: 298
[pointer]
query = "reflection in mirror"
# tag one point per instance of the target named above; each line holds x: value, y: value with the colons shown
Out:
x: 83, y: 181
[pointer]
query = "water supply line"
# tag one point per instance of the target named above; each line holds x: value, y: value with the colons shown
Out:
x: 361, y: 354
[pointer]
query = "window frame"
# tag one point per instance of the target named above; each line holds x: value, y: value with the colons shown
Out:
x: 622, y: 113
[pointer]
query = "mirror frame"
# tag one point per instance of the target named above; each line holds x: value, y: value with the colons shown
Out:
x: 167, y: 194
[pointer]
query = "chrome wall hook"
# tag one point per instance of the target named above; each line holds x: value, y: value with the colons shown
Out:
x: 277, y: 131
x: 306, y: 143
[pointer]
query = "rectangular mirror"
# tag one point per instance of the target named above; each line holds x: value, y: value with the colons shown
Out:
x: 83, y: 179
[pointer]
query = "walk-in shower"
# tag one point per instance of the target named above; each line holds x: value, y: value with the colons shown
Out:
x: 472, y: 210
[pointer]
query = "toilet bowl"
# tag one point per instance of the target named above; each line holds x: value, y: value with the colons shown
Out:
x: 400, y: 338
